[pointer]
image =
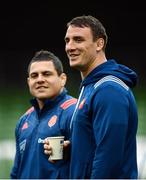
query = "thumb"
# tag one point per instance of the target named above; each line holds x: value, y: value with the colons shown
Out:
x: 66, y: 143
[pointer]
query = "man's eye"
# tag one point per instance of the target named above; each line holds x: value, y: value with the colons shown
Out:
x: 66, y: 40
x: 47, y: 74
x: 79, y: 40
x: 33, y: 76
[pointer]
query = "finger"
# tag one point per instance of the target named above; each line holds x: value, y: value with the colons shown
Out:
x: 46, y: 141
x: 47, y: 152
x: 51, y: 161
x: 47, y: 147
x: 66, y: 143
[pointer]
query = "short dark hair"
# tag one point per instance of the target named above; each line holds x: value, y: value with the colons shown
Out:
x: 97, y: 28
x: 44, y: 55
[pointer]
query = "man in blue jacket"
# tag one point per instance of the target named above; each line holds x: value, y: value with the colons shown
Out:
x: 49, y: 115
x: 104, y: 123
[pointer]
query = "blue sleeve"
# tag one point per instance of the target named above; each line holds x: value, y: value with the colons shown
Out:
x: 14, y: 171
x: 110, y: 114
x: 65, y: 121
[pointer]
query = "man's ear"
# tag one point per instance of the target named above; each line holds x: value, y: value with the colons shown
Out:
x: 63, y: 77
x: 100, y: 44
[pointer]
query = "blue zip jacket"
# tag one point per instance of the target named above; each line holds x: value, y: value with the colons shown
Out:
x: 34, y: 126
x: 104, y: 125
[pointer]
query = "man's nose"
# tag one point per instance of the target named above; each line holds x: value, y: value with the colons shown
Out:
x: 70, y: 45
x: 40, y: 78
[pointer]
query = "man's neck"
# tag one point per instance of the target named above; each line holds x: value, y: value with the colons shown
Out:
x: 98, y: 61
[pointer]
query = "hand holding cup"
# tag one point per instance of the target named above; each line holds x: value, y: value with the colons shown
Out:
x: 54, y: 147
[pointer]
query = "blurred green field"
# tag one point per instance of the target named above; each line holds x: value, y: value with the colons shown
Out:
x: 140, y: 95
x: 13, y: 103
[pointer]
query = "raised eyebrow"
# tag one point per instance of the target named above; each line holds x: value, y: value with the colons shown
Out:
x: 75, y: 37
x: 78, y: 37
x: 43, y: 72
x: 47, y: 72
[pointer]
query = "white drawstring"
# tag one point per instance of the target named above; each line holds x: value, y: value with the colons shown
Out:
x: 76, y: 106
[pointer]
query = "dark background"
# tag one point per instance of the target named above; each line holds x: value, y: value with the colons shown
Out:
x: 27, y: 26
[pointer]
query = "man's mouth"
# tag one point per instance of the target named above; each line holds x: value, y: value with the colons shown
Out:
x: 73, y: 56
x: 41, y: 87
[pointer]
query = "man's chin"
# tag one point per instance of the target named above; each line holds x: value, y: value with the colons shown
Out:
x: 74, y: 65
x: 42, y: 98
